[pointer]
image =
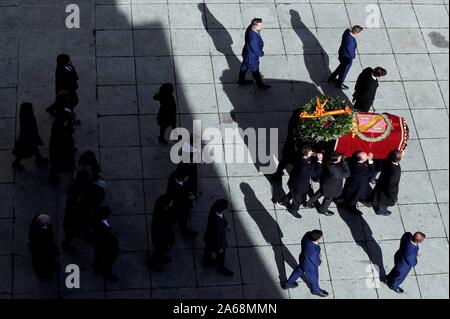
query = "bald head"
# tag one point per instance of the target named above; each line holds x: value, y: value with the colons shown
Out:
x: 44, y: 220
x: 362, y: 157
x: 419, y: 237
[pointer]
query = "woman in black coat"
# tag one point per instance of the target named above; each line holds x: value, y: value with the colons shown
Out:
x: 29, y: 139
x: 216, y: 237
x: 42, y: 245
x: 167, y: 115
x: 66, y: 79
x: 62, y: 145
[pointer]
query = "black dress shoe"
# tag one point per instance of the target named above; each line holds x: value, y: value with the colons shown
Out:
x: 398, y: 290
x: 226, y: 272
x: 342, y: 87
x: 386, y: 213
x: 327, y: 213
x: 322, y: 293
x: 288, y: 286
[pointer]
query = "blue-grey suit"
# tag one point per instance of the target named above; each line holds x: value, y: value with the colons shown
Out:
x: 405, y: 260
x: 253, y: 50
x: 347, y: 53
x: 309, y: 263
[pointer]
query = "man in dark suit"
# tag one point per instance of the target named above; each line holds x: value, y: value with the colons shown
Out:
x: 163, y: 236
x: 405, y: 260
x: 179, y: 191
x: 290, y: 146
x: 66, y: 79
x: 357, y: 187
x: 366, y: 88
x: 42, y: 245
x: 347, y: 53
x: 309, y: 263
x: 300, y: 180
x: 216, y: 237
x: 253, y: 50
x: 385, y: 193
x: 106, y: 245
x: 331, y: 182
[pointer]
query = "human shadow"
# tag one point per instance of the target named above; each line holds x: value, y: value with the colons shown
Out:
x: 314, y: 55
x: 270, y: 230
x: 252, y: 108
x: 374, y: 252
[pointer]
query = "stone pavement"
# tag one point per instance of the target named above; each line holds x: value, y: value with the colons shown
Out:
x: 126, y: 48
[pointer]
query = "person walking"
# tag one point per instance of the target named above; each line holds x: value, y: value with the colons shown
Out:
x: 347, y: 53
x: 300, y: 180
x: 29, y: 139
x: 253, y: 50
x: 385, y: 193
x: 163, y: 235
x: 405, y: 260
x: 215, y: 238
x: 331, y: 182
x: 366, y: 88
x: 106, y: 245
x: 309, y: 262
x: 66, y: 79
x: 42, y: 245
x: 357, y: 186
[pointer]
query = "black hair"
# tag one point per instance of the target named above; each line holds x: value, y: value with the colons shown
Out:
x: 256, y: 21
x: 315, y: 235
x: 334, y: 156
x: 357, y: 29
x: 62, y: 60
x: 379, y: 72
x: 395, y: 156
x: 220, y: 205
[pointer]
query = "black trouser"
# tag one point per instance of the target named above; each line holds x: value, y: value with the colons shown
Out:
x: 323, y: 208
x: 297, y: 200
x: 220, y: 259
x: 159, y: 253
x: 104, y: 262
x: 256, y: 74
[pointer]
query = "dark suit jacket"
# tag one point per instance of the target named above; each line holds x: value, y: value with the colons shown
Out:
x: 332, y: 179
x: 406, y: 256
x: 386, y: 190
x: 348, y: 45
x: 253, y: 48
x: 216, y: 232
x: 66, y: 79
x: 179, y: 193
x: 301, y: 175
x: 357, y: 186
x: 365, y: 90
x: 309, y: 260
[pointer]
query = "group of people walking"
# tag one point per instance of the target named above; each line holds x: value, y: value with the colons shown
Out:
x: 345, y: 182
